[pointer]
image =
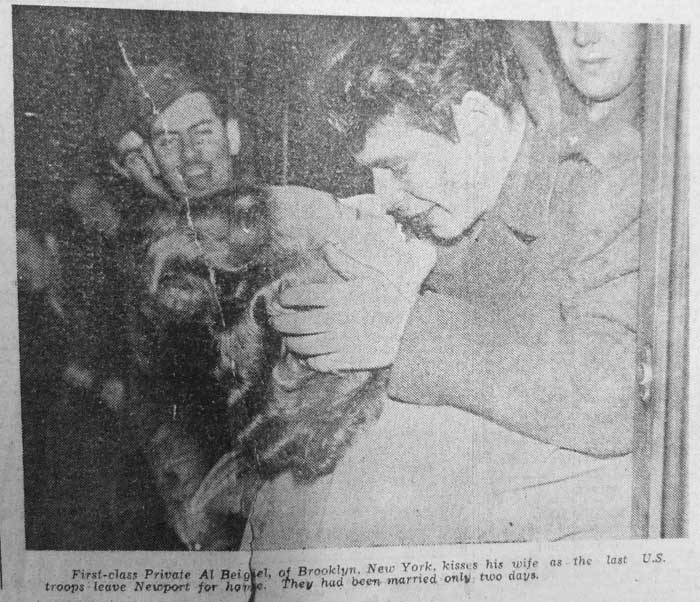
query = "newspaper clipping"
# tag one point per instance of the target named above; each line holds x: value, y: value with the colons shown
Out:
x: 338, y: 301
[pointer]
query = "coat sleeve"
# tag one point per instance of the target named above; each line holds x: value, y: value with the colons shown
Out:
x: 554, y: 361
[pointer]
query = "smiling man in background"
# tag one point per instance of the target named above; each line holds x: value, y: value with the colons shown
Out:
x: 173, y: 142
x: 193, y: 146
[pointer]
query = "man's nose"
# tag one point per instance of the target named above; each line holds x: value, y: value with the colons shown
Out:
x: 586, y: 34
x: 190, y: 150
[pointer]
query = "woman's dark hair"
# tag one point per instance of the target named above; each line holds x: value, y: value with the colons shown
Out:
x: 310, y: 419
x: 426, y: 65
x: 282, y: 414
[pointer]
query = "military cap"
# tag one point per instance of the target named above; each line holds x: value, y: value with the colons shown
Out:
x: 139, y: 93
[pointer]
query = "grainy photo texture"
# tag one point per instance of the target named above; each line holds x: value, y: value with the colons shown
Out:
x: 321, y: 282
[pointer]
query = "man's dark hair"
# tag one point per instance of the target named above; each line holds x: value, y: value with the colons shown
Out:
x: 426, y: 65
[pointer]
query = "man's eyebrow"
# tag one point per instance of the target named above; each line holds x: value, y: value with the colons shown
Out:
x: 163, y: 130
x: 207, y: 121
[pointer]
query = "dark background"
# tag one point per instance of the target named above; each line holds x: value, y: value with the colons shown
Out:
x: 86, y: 484
x: 65, y: 59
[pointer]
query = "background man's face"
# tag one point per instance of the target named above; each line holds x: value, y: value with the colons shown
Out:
x: 190, y: 145
x: 601, y: 59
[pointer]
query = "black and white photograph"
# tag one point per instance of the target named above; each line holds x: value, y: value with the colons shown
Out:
x: 296, y: 282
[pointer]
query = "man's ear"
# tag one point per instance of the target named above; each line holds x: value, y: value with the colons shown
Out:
x: 490, y: 139
x: 233, y: 133
x: 476, y: 116
x: 479, y: 117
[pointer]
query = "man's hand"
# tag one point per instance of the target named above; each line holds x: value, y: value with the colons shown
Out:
x: 137, y: 163
x: 356, y: 323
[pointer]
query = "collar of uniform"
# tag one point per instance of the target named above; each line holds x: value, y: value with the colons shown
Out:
x: 603, y: 147
x: 607, y: 143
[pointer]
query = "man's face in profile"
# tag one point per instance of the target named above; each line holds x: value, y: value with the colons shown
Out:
x: 435, y: 186
x: 421, y: 175
x: 191, y: 148
x: 601, y: 59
